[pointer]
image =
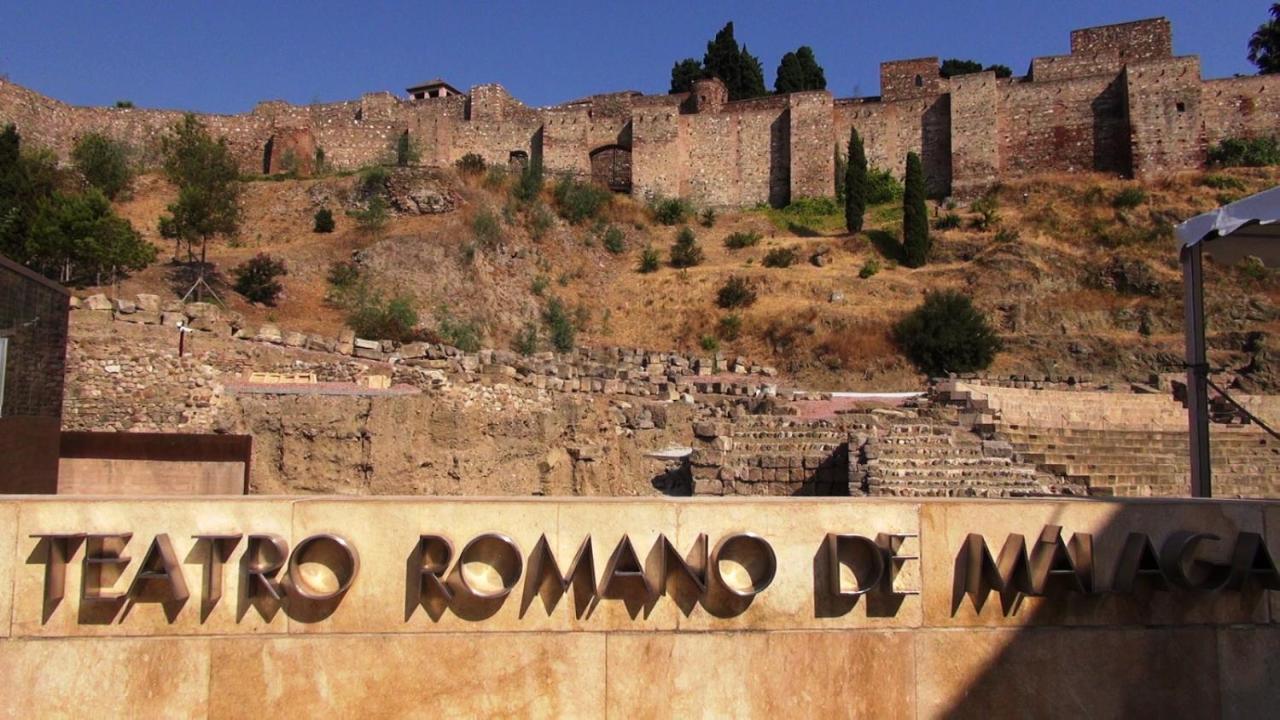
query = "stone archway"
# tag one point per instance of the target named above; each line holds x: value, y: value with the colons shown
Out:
x: 611, y: 167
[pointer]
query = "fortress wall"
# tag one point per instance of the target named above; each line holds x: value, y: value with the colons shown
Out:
x: 890, y: 130
x: 975, y: 139
x: 657, y: 151
x: 1164, y: 115
x: 739, y: 156
x: 1148, y: 39
x: 1240, y: 107
x: 1064, y: 126
x: 812, y: 144
x: 1053, y: 68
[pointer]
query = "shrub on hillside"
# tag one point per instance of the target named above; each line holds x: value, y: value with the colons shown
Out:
x: 323, y: 221
x: 343, y: 278
x: 988, y: 209
x: 560, y: 328
x: 529, y: 185
x: 739, y: 240
x: 578, y: 201
x: 486, y: 228
x: 869, y: 268
x: 882, y: 187
x: 462, y: 334
x: 104, y: 163
x: 373, y: 179
x: 613, y: 240
x: 372, y: 316
x: 950, y: 221
x: 670, y: 211
x: 649, y: 260
x: 256, y: 278
x: 735, y: 293
x: 1245, y: 152
x: 709, y: 343
x: 707, y: 218
x: 781, y: 257
x: 730, y: 327
x: 946, y: 334
x: 470, y: 164
x: 686, y: 252
x: 1222, y: 182
x: 538, y: 221
x: 526, y: 340
x: 374, y: 215
x: 1128, y: 198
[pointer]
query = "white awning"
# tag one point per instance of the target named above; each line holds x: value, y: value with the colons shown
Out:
x: 1233, y: 232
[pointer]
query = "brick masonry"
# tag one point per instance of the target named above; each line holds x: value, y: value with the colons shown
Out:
x: 1121, y: 103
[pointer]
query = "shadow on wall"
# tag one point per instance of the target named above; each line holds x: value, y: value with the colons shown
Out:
x: 1147, y: 620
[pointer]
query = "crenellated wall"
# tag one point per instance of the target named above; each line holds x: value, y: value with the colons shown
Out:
x: 1120, y: 103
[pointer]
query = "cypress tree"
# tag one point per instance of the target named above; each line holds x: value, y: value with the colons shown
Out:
x: 814, y: 77
x: 915, y: 217
x: 790, y: 75
x: 855, y: 183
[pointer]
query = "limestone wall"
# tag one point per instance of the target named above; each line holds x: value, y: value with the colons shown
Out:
x: 626, y: 639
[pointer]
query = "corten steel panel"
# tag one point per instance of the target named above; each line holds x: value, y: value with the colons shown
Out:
x: 33, y: 318
x: 29, y: 448
x: 160, y: 447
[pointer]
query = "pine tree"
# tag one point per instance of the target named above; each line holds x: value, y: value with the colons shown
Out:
x: 855, y: 183
x: 790, y: 76
x: 738, y: 69
x: 814, y: 77
x: 752, y: 77
x: 684, y: 73
x: 915, y: 217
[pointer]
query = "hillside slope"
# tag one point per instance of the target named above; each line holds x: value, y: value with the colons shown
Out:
x: 1079, y: 273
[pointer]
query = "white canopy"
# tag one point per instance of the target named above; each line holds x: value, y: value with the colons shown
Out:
x: 1233, y: 232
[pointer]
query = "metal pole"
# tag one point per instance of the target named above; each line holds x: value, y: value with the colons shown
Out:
x: 1197, y: 371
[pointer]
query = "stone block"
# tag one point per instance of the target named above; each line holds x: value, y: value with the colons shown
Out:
x: 197, y: 310
x: 124, y: 307
x: 97, y: 302
x: 295, y: 339
x: 144, y: 318
x: 148, y: 303
x: 269, y: 333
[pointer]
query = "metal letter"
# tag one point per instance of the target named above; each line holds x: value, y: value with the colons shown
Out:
x: 160, y: 565
x: 1138, y: 561
x: 1179, y: 551
x: 331, y: 551
x: 264, y: 556
x: 544, y: 576
x: 839, y: 546
x: 668, y: 563
x: 220, y: 548
x: 55, y: 569
x: 430, y: 565
x: 498, y: 552
x: 103, y: 565
x: 1252, y: 560
x: 754, y: 554
x: 624, y: 577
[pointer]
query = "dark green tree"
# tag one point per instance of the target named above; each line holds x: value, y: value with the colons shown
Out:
x: 856, y: 183
x: 915, y: 217
x: 406, y: 153
x: 685, y: 252
x: 800, y: 71
x: 684, y: 73
x: 256, y: 278
x: 1001, y: 71
x: 560, y: 328
x: 739, y: 70
x: 1264, y: 46
x: 27, y: 181
x: 79, y: 237
x: 954, y: 66
x: 946, y: 334
x: 104, y: 163
x: 208, y: 187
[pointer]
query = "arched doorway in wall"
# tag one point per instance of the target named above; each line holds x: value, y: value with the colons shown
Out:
x: 517, y: 161
x: 611, y: 167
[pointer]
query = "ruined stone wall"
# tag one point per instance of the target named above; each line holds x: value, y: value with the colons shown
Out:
x: 811, y: 151
x: 1164, y: 115
x: 1062, y: 126
x: 1240, y: 107
x: 1119, y: 103
x: 975, y: 140
x: 1138, y: 40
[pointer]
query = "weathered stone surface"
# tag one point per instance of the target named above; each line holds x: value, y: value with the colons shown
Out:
x: 148, y: 303
x: 97, y: 302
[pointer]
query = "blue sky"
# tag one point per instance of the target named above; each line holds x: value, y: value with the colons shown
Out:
x: 225, y: 56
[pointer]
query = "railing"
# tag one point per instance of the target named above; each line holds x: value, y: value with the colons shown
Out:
x: 1252, y: 418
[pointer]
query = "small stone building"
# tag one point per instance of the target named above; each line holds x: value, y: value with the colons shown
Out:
x: 33, y: 348
x: 436, y: 88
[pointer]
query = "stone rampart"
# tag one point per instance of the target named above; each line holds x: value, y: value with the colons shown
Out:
x: 1119, y: 103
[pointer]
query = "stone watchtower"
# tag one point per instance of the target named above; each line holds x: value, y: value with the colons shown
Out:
x: 708, y: 95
